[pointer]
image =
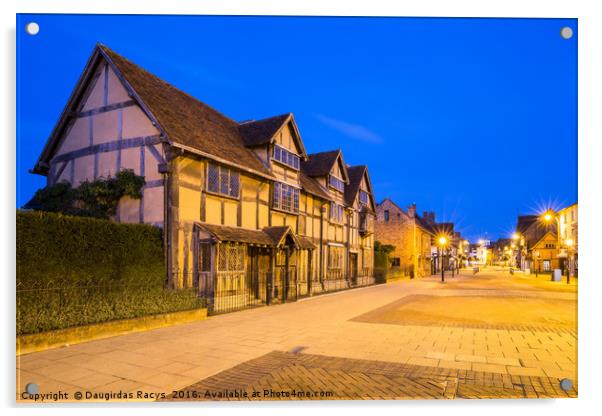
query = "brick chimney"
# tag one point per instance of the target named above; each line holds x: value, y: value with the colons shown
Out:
x: 412, y: 210
x: 432, y: 217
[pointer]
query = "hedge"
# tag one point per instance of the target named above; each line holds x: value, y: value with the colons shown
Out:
x: 75, y: 271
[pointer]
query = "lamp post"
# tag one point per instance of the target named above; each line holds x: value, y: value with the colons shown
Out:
x: 442, y: 242
x: 548, y: 217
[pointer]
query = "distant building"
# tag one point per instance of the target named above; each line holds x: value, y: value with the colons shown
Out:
x: 411, y: 235
x: 538, y: 244
x: 568, y: 233
x: 449, y: 258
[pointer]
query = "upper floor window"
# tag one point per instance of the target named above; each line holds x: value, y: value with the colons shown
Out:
x: 222, y: 180
x: 336, y: 212
x: 363, y: 197
x: 286, y: 157
x: 286, y: 197
x: 550, y: 245
x: 336, y: 183
x: 386, y: 215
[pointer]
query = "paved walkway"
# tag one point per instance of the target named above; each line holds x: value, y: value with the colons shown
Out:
x: 406, y: 323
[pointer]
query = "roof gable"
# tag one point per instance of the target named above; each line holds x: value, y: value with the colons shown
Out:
x: 183, y: 121
x: 262, y: 132
x: 358, y: 174
x: 543, y: 236
x: 387, y: 204
x: 321, y: 164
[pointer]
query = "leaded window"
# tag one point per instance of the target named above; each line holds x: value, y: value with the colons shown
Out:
x: 223, y: 180
x: 336, y: 183
x: 286, y: 197
x: 231, y: 257
x: 286, y: 157
x: 335, y: 257
x: 336, y: 212
x: 363, y: 197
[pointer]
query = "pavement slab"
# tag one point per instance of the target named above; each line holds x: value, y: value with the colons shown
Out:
x: 484, y: 335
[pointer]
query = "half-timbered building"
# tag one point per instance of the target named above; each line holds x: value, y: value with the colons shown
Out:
x: 249, y: 217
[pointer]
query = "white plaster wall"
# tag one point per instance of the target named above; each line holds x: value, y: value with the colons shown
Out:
x: 153, y: 205
x: 96, y: 96
x: 151, y: 169
x: 136, y: 123
x: 130, y: 159
x: 107, y: 164
x: 77, y: 137
x: 117, y: 92
x: 84, y: 169
x: 105, y: 127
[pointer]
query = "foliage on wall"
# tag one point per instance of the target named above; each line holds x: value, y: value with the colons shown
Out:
x: 97, y: 198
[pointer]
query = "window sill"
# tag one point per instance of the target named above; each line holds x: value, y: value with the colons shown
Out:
x: 235, y: 198
x: 285, y: 211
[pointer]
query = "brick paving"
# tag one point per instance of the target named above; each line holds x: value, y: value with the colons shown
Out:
x: 477, y: 352
x: 289, y: 376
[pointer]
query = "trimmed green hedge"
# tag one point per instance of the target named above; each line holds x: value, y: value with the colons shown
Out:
x: 75, y: 271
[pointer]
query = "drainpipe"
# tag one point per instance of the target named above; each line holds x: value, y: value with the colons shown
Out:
x: 321, y: 269
x: 164, y: 169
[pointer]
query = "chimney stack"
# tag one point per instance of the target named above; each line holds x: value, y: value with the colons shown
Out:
x: 412, y: 210
x: 432, y: 217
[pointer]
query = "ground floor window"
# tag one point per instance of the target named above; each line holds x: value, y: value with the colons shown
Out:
x: 335, y: 261
x: 395, y: 262
x: 546, y: 265
x: 231, y: 257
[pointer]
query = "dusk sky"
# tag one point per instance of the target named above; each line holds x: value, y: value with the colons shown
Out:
x: 475, y: 119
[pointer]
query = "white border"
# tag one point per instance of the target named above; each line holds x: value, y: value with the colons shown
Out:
x: 590, y: 163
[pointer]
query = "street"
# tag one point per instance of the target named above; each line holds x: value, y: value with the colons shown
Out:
x: 489, y: 335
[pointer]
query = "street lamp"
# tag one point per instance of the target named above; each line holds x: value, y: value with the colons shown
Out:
x: 442, y: 242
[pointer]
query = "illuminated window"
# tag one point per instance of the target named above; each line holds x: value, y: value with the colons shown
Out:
x: 336, y: 183
x: 285, y: 157
x: 222, y: 180
x: 286, y: 197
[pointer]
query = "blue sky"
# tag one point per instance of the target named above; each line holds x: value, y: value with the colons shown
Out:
x: 475, y: 119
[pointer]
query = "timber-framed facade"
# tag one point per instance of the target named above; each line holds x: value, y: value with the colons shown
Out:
x: 249, y: 217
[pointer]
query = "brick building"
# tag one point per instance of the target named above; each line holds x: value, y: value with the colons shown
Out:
x: 411, y: 235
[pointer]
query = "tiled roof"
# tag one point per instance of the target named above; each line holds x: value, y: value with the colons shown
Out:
x: 311, y: 186
x: 356, y: 173
x: 306, y: 243
x: 268, y: 236
x: 424, y: 224
x: 186, y: 120
x: 524, y: 222
x: 278, y: 234
x: 260, y: 132
x: 237, y: 234
x: 320, y: 164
